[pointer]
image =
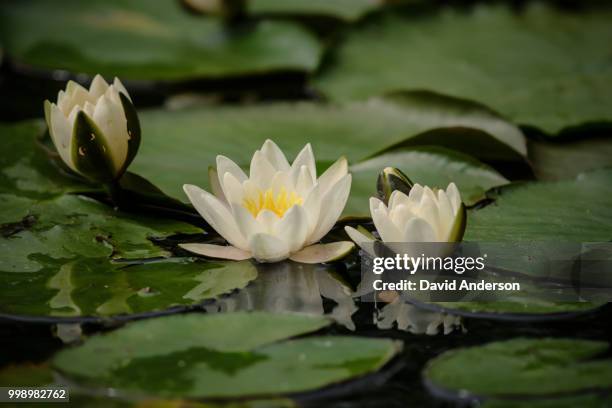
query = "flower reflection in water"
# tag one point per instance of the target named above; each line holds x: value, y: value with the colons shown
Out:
x: 293, y: 287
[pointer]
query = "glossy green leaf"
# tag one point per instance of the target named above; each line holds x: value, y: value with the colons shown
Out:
x: 582, y: 401
x: 94, y: 287
x: 573, y: 211
x: 434, y: 167
x: 26, y: 168
x: 521, y: 367
x: 578, y: 210
x: 208, y: 356
x: 540, y: 67
x: 357, y: 130
x: 348, y: 10
x: 138, y: 39
x: 68, y: 226
x: 565, y: 159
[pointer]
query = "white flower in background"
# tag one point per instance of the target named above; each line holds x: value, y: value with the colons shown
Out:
x: 96, y: 131
x: 424, y: 215
x: 278, y: 211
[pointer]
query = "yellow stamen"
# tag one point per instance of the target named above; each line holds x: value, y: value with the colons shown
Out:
x: 277, y: 203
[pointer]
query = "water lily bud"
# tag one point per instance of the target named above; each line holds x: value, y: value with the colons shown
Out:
x: 423, y: 215
x: 389, y: 180
x: 96, y: 132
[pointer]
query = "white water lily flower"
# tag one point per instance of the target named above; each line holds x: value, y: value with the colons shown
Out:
x: 424, y: 215
x: 96, y: 131
x: 278, y: 211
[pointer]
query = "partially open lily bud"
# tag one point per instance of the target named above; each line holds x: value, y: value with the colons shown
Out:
x: 390, y: 180
x: 96, y: 132
x: 423, y: 215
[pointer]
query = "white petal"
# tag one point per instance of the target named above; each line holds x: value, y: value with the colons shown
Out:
x: 323, y: 252
x: 78, y: 95
x: 334, y: 173
x: 293, y: 228
x: 398, y: 198
x: 247, y: 224
x: 377, y: 204
x: 429, y: 212
x: 416, y: 192
x: 120, y: 88
x: 445, y: 211
x: 305, y: 158
x: 281, y: 181
x: 386, y: 229
x: 275, y: 155
x: 217, y: 251
x: 215, y: 185
x: 332, y: 204
x: 304, y: 181
x: 366, y: 243
x: 61, y: 134
x: 225, y: 165
x: 268, y: 221
x: 454, y: 196
x: 98, y: 87
x: 312, y: 207
x: 418, y: 230
x: 261, y: 171
x: 216, y: 214
x: 89, y: 109
x: 232, y: 190
x: 268, y: 248
x: 112, y: 122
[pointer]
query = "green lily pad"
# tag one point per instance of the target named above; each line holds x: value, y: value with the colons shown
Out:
x: 93, y: 289
x: 28, y: 169
x: 357, y: 130
x: 435, y: 167
x: 347, y: 10
x: 518, y: 308
x: 578, y: 210
x: 583, y: 401
x: 136, y: 39
x: 540, y: 67
x: 520, y: 368
x: 69, y: 226
x: 208, y: 356
x: 41, y: 375
x: 573, y: 211
x: 565, y: 159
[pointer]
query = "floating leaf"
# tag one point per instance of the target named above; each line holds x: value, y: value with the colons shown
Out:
x: 520, y: 368
x: 540, y: 67
x: 578, y: 210
x: 198, y: 135
x: 96, y: 289
x: 27, y: 169
x: 565, y: 159
x: 136, y: 39
x: 68, y: 226
x: 208, y: 356
x: 348, y: 10
x: 434, y: 167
